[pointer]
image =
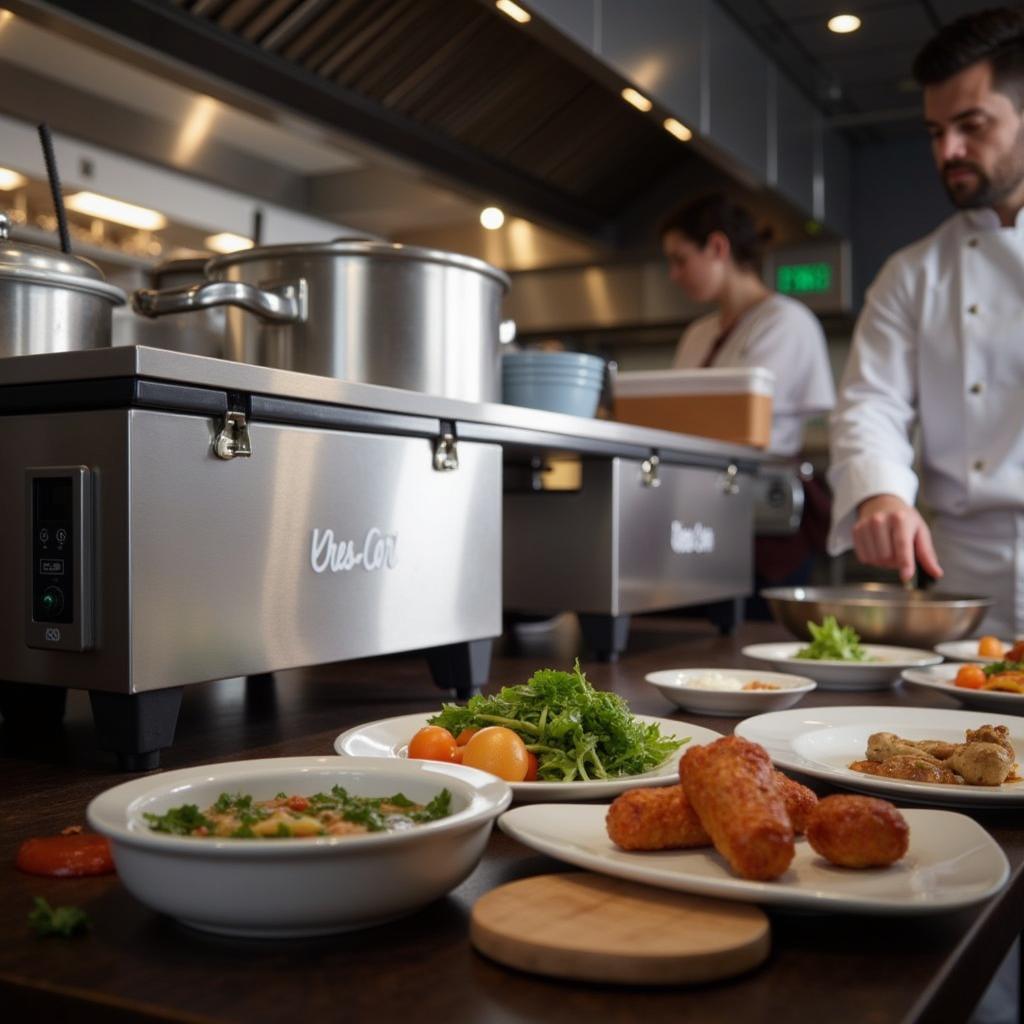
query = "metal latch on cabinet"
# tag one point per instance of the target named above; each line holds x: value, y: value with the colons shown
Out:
x: 232, y: 440
x: 446, y: 450
x: 730, y: 482
x: 649, y: 471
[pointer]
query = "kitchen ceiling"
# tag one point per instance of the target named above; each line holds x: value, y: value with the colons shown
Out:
x: 861, y: 79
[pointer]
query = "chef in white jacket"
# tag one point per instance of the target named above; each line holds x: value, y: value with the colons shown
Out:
x: 940, y: 345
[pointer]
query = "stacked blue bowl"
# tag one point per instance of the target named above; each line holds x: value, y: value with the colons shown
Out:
x: 569, y: 382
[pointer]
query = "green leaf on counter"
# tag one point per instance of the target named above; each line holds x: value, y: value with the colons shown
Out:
x: 63, y: 921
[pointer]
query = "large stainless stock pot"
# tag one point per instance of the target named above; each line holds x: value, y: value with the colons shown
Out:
x: 51, y: 301
x: 373, y: 312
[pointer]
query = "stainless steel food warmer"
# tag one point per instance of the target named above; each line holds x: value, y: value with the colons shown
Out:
x: 171, y: 519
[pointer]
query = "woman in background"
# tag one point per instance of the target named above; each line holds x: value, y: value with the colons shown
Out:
x: 714, y: 255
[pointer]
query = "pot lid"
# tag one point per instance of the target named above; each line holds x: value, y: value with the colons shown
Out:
x: 50, y: 266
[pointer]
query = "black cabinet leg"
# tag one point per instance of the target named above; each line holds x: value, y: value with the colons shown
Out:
x: 462, y: 667
x: 136, y: 726
x: 606, y: 635
x: 727, y: 616
x: 31, y: 706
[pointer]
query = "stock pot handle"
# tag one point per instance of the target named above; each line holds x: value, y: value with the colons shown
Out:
x: 284, y: 304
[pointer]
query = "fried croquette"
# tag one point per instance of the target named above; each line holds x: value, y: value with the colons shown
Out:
x: 858, y: 831
x: 730, y: 784
x: 655, y: 819
x: 799, y: 801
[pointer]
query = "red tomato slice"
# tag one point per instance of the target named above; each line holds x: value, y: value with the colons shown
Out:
x: 66, y: 856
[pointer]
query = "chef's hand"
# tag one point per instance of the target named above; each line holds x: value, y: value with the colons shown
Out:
x: 889, y: 533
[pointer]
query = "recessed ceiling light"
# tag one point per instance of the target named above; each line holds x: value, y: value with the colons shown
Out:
x: 492, y: 218
x: 843, y: 23
x: 226, y: 241
x: 10, y: 180
x: 514, y: 11
x: 677, y: 128
x: 94, y: 205
x: 637, y: 99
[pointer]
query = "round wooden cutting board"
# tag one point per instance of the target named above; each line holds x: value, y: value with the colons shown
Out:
x: 594, y: 928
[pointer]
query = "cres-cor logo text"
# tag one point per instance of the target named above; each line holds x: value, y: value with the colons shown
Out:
x: 692, y: 540
x: 377, y: 551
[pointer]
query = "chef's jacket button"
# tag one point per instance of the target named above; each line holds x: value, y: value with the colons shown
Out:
x: 972, y: 242
x: 977, y: 388
x: 979, y: 465
x: 973, y: 309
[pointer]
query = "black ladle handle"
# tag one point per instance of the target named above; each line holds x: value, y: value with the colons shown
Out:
x: 58, y: 198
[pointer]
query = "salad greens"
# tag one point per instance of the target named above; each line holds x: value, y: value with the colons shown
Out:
x: 996, y: 668
x: 575, y: 731
x: 832, y: 642
x: 63, y: 921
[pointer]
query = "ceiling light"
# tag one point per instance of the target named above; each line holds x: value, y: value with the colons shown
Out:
x: 514, y: 11
x: 105, y: 208
x: 492, y: 218
x: 11, y: 179
x: 843, y: 23
x: 225, y: 242
x: 677, y: 128
x: 637, y: 99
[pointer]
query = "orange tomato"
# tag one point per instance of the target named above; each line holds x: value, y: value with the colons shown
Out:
x: 531, y: 770
x: 459, y: 751
x: 432, y: 743
x: 66, y: 856
x: 466, y: 735
x: 499, y: 751
x: 990, y: 647
x: 970, y: 677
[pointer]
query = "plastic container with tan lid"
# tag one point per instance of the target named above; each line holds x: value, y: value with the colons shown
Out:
x: 728, y: 404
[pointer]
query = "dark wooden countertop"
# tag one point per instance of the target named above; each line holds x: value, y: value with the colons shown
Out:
x: 134, y: 963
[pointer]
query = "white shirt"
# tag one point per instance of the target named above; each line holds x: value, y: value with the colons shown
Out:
x: 940, y: 342
x: 784, y: 336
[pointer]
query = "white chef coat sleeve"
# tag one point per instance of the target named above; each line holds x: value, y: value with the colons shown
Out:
x: 789, y: 341
x: 870, y: 435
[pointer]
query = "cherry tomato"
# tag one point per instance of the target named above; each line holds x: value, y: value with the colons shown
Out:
x: 297, y: 803
x: 970, y: 677
x: 531, y: 770
x: 466, y: 735
x: 499, y: 751
x: 459, y: 751
x: 990, y: 647
x: 66, y: 856
x: 432, y: 743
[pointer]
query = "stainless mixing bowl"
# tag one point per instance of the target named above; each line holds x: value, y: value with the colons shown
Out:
x: 881, y: 613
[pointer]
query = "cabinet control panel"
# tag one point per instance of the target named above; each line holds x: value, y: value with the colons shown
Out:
x: 59, y: 551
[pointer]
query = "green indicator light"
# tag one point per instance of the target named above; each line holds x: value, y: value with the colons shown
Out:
x: 48, y: 601
x: 803, y: 278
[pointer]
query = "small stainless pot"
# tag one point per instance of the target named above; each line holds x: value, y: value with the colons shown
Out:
x: 51, y: 301
x: 373, y: 312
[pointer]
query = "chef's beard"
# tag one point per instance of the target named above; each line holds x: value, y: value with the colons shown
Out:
x: 1007, y: 178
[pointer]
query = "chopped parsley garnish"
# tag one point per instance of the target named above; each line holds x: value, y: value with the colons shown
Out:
x: 178, y: 821
x: 235, y: 815
x: 575, y: 731
x: 63, y: 921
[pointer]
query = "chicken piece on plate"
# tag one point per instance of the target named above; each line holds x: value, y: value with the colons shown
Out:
x: 982, y: 764
x: 858, y: 831
x: 883, y: 745
x: 992, y: 734
x: 909, y: 768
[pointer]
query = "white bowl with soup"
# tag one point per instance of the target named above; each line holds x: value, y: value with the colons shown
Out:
x: 282, y: 867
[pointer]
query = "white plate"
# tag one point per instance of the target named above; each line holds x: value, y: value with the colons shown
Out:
x: 952, y: 863
x: 881, y: 672
x: 675, y: 684
x: 281, y: 888
x: 941, y: 678
x: 822, y: 742
x: 390, y: 737
x: 966, y: 650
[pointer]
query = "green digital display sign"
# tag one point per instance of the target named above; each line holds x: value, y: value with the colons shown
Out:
x: 803, y: 278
